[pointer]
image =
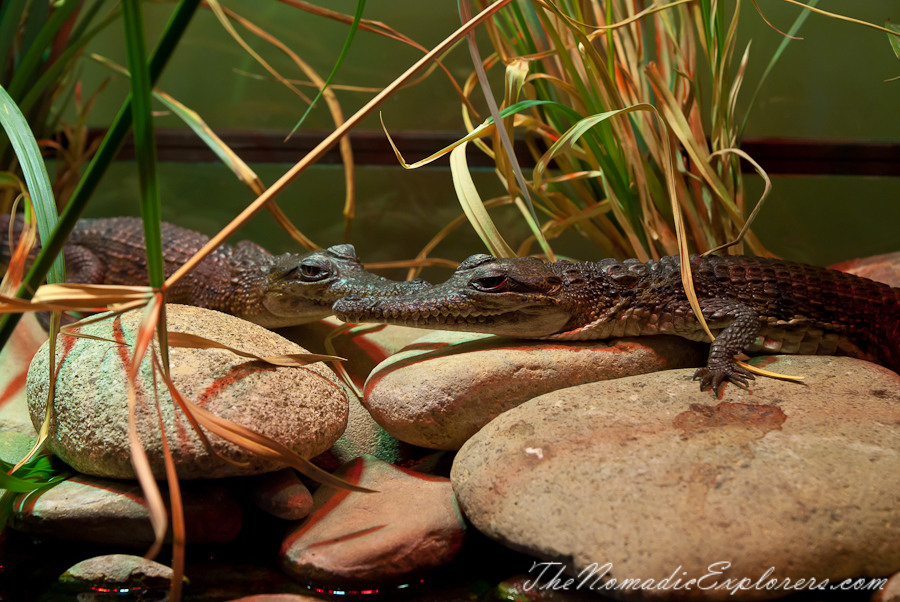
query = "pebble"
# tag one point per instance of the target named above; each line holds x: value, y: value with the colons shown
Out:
x: 661, y: 480
x: 412, y: 524
x: 105, y: 511
x: 304, y: 408
x: 119, y: 572
x: 444, y: 387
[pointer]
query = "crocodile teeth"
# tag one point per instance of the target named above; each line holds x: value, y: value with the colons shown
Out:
x: 395, y: 313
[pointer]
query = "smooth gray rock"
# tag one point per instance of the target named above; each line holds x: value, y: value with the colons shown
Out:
x: 441, y: 389
x: 410, y: 525
x: 304, y: 408
x: 654, y: 476
x: 119, y: 571
x: 15, y: 357
x: 890, y: 592
x: 107, y: 511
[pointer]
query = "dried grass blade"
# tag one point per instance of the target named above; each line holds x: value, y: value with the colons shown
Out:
x: 19, y: 254
x: 178, y: 530
x: 473, y: 206
x: 842, y: 17
x: 292, y: 360
x: 762, y: 372
x: 223, y: 19
x: 759, y: 203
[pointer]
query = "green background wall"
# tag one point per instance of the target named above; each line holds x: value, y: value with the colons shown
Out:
x: 829, y: 86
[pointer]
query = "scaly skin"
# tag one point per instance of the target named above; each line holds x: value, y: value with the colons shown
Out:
x: 246, y: 280
x: 750, y: 303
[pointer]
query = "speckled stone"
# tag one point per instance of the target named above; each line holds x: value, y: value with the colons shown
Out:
x: 653, y: 476
x: 441, y: 389
x: 119, y: 571
x: 412, y: 524
x: 303, y: 408
x: 107, y: 511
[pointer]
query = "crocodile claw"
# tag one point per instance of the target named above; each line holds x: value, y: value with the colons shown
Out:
x: 715, y: 374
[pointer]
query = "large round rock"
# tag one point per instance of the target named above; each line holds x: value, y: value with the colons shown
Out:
x: 302, y: 408
x: 441, y: 389
x: 662, y: 481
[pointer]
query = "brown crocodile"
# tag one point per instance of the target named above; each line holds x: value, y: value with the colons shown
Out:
x: 245, y: 280
x: 750, y: 303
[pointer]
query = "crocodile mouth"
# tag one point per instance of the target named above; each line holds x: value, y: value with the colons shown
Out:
x: 434, y: 317
x: 524, y: 321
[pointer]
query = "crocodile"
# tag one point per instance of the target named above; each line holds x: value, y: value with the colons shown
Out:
x: 244, y: 280
x: 751, y: 304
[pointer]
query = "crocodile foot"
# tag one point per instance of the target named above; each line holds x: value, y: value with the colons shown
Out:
x: 717, y: 372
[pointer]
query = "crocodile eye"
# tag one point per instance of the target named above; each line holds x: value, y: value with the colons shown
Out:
x: 311, y: 272
x: 490, y: 284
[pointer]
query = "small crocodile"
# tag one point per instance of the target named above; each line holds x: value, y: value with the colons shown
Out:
x: 245, y: 280
x: 750, y: 303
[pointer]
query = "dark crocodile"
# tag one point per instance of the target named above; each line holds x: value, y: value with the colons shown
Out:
x: 245, y: 280
x: 751, y: 304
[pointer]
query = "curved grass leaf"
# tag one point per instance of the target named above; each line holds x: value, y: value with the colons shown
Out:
x: 32, y: 163
x: 473, y: 206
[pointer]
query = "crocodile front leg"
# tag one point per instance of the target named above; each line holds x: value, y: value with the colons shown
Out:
x: 738, y: 326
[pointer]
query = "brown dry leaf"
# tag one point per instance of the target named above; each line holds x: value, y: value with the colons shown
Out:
x: 291, y: 360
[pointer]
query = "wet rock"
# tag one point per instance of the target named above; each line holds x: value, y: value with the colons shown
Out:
x: 106, y: 511
x: 411, y: 525
x: 654, y: 477
x: 364, y: 346
x: 302, y: 408
x: 881, y: 268
x: 15, y: 357
x: 119, y: 571
x: 440, y: 390
x: 14, y: 446
x: 365, y: 437
x: 281, y: 494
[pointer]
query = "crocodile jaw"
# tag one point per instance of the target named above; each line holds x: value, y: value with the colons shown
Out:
x: 525, y: 321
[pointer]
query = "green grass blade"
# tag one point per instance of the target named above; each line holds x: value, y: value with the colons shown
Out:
x: 798, y: 22
x: 30, y: 63
x: 175, y: 29
x: 473, y: 206
x: 144, y: 140
x: 360, y: 5
x: 29, y: 156
x: 10, y: 16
